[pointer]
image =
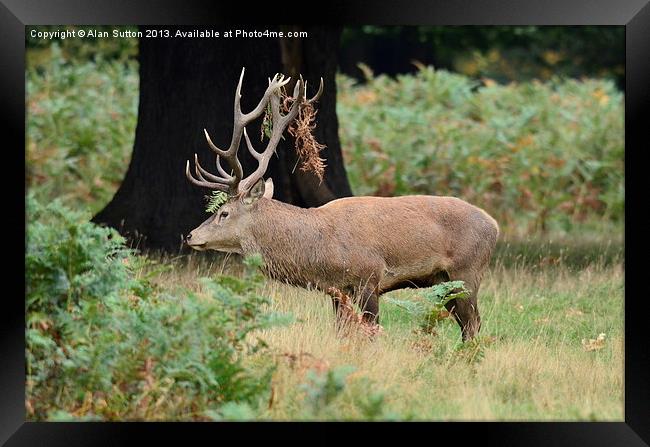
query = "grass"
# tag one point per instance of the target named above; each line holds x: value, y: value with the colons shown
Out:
x: 529, y: 362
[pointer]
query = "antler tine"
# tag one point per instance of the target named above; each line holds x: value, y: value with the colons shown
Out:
x: 202, y: 173
x: 204, y: 183
x: 277, y: 82
x: 230, y: 157
x: 239, y: 84
x: 252, y: 150
x: 220, y: 152
x: 317, y: 95
x: 221, y: 170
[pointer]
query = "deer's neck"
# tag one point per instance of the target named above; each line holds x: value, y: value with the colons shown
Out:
x: 290, y: 239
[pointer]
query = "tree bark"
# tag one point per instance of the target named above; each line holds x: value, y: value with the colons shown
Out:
x: 189, y: 84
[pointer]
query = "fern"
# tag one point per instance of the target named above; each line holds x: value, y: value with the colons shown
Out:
x: 215, y: 201
x: 431, y: 309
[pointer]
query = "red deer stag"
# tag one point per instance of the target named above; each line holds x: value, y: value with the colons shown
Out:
x: 363, y: 246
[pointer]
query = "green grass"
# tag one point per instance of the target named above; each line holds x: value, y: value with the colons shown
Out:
x: 529, y: 362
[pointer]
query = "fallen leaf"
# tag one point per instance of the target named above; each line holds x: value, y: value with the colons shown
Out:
x: 594, y: 344
x: 572, y: 312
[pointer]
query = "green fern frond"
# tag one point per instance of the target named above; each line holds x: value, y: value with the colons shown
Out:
x: 215, y: 200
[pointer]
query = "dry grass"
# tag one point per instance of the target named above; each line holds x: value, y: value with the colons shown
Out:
x: 528, y: 364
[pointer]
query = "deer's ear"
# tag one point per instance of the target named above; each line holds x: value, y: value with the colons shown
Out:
x: 260, y: 189
x: 268, y: 188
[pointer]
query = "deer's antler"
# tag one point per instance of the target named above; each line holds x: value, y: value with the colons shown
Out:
x: 234, y: 183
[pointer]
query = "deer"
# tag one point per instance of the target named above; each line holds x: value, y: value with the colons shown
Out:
x: 363, y: 246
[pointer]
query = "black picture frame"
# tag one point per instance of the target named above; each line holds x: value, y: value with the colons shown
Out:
x: 15, y: 15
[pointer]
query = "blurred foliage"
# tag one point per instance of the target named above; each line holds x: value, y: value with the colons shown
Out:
x: 573, y: 252
x: 502, y: 53
x: 531, y: 153
x: 81, y: 49
x: 102, y: 342
x: 81, y: 121
x: 326, y: 391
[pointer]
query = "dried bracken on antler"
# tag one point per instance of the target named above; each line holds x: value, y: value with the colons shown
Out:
x: 302, y: 130
x: 349, y: 318
x: 307, y: 147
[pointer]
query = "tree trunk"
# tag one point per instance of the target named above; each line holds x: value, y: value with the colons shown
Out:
x: 189, y: 84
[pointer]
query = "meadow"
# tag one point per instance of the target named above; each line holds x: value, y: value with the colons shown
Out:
x: 113, y: 334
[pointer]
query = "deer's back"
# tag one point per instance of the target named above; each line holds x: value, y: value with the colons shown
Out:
x: 413, y: 232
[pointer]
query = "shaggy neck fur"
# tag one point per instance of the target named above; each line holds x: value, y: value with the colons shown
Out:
x: 291, y: 240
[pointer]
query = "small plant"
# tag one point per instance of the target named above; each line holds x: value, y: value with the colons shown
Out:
x: 432, y: 309
x: 241, y: 305
x: 323, y: 388
x: 592, y: 344
x: 215, y: 201
x: 232, y: 411
x: 372, y: 404
x: 327, y: 392
x: 473, y: 351
x: 70, y: 261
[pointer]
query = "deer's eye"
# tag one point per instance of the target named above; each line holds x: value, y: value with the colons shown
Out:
x: 223, y: 215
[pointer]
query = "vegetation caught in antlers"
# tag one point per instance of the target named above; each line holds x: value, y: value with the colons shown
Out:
x: 302, y: 130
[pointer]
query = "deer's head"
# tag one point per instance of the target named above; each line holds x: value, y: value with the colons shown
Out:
x: 224, y: 230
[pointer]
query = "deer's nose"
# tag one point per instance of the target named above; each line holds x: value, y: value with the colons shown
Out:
x: 188, y: 237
